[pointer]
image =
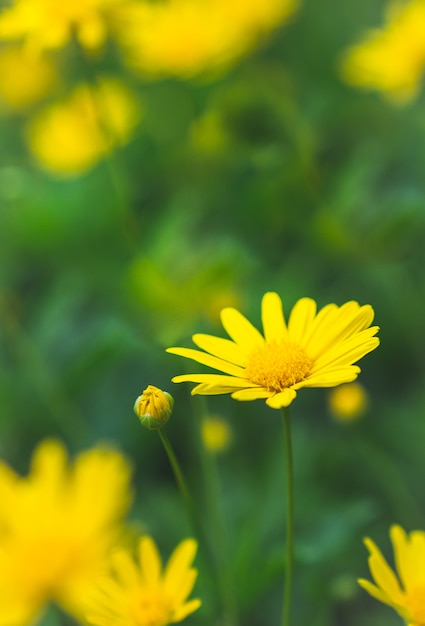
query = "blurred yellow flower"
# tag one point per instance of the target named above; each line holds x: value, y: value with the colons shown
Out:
x: 348, y: 402
x: 141, y: 594
x: 185, y: 37
x: 70, y: 137
x: 43, y: 24
x: 312, y: 350
x: 216, y: 434
x: 57, y: 527
x: 391, y: 59
x: 154, y: 407
x: 24, y: 78
x: 404, y: 590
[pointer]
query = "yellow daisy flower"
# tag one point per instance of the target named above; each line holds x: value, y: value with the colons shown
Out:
x: 57, y: 527
x: 404, y: 590
x: 141, y: 594
x: 311, y: 350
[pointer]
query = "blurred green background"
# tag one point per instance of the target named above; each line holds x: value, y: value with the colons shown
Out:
x: 274, y: 175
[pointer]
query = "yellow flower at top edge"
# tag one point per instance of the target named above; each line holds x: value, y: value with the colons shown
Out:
x: 57, y: 528
x: 186, y: 37
x: 140, y: 593
x: 314, y: 349
x: 391, y: 59
x: 71, y: 136
x: 403, y: 590
x: 43, y: 24
x: 24, y: 78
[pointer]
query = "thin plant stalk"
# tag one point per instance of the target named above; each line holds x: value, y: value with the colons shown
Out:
x: 119, y: 184
x: 178, y: 474
x: 289, y: 556
x: 185, y: 495
x: 213, y: 493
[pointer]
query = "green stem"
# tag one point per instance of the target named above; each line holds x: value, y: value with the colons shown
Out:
x: 185, y: 494
x: 178, y: 474
x: 289, y: 558
x: 118, y: 182
x: 224, y: 574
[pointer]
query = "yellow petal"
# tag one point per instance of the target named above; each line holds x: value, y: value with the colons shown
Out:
x: 324, y: 317
x: 126, y: 569
x: 252, y: 394
x: 383, y: 575
x: 282, y: 399
x: 240, y: 329
x: 213, y: 379
x: 150, y: 561
x: 185, y: 610
x: 179, y: 565
x: 330, y: 377
x: 207, y: 390
x: 301, y: 318
x: 222, y: 348
x: 402, y: 555
x: 337, y: 326
x: 207, y: 359
x: 348, y: 351
x: 274, y: 324
x: 374, y: 591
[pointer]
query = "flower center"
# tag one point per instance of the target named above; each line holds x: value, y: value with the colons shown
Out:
x: 415, y: 601
x: 152, y: 609
x: 277, y: 366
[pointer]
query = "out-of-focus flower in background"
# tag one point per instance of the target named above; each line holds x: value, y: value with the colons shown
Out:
x: 404, y: 590
x: 24, y: 78
x: 187, y: 37
x: 43, y: 24
x: 178, y: 290
x: 140, y: 593
x: 216, y: 434
x: 348, y: 402
x: 57, y: 527
x: 314, y: 349
x: 71, y: 136
x: 391, y: 59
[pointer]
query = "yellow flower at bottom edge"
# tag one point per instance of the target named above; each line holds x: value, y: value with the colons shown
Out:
x: 71, y: 136
x: 404, y: 591
x: 311, y: 350
x: 140, y: 593
x: 391, y: 59
x: 57, y: 528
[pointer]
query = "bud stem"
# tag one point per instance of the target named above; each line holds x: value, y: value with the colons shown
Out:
x: 181, y: 483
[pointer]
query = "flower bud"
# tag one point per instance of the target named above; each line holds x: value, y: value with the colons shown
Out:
x: 154, y: 407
